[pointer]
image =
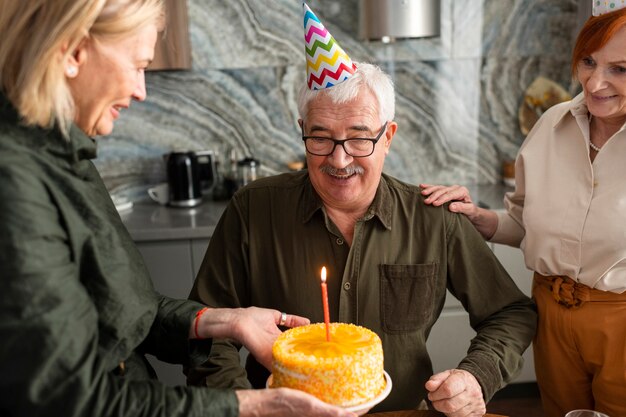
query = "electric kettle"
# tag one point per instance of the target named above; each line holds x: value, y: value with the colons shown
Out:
x: 183, y: 178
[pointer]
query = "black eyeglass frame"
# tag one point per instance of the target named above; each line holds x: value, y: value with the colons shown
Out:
x: 343, y: 141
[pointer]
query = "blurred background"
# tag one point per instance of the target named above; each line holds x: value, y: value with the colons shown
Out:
x: 459, y: 93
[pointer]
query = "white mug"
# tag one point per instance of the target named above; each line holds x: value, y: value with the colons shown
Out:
x: 585, y: 413
x: 160, y: 193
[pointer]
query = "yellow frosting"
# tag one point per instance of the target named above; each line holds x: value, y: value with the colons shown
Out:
x: 346, y: 371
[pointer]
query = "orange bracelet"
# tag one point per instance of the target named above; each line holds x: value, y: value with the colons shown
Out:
x: 195, y: 322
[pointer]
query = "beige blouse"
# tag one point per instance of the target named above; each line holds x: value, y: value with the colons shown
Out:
x: 567, y: 214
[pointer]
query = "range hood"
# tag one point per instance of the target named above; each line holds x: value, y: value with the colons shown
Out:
x: 390, y: 20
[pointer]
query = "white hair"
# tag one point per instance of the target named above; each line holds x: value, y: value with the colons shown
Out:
x: 368, y: 75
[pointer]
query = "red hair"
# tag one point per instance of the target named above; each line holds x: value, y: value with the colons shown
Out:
x: 596, y: 32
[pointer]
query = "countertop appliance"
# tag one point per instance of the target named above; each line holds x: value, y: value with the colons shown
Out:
x: 183, y: 178
x: 190, y: 174
x: 247, y: 170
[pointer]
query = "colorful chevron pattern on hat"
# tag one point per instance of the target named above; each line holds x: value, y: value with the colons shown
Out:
x: 605, y: 6
x: 326, y: 63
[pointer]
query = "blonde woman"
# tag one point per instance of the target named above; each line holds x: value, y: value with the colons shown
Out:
x: 77, y: 307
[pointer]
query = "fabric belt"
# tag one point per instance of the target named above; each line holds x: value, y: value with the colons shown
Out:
x: 572, y: 294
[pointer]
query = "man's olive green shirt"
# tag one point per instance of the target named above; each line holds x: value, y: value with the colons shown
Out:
x: 275, y: 237
x: 76, y: 299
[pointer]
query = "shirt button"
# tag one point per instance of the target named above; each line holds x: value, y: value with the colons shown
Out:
x: 346, y: 286
x: 595, y: 183
x: 339, y: 241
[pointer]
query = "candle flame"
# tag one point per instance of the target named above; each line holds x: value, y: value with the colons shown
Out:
x: 323, y: 274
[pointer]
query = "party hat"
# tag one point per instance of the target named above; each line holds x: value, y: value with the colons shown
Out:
x: 326, y: 63
x: 606, y: 6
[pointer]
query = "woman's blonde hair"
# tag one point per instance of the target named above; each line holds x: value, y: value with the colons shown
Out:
x: 36, y: 37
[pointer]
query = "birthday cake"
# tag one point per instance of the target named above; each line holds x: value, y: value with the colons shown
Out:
x: 345, y: 371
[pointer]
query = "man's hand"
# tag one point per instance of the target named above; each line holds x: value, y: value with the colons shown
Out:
x: 456, y: 393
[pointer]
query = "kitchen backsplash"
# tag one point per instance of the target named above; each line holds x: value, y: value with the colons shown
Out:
x: 457, y: 95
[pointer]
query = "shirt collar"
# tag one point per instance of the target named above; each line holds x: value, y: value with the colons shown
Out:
x: 380, y: 207
x: 75, y: 147
x: 312, y: 201
x: 576, y: 107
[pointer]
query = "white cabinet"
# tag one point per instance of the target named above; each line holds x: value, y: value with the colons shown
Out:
x: 198, y: 249
x: 451, y: 335
x: 173, y: 265
x: 513, y: 260
x: 170, y: 266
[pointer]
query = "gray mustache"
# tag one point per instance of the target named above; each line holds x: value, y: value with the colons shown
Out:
x: 349, y: 170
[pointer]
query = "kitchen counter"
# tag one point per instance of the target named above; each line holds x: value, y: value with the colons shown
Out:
x: 149, y: 221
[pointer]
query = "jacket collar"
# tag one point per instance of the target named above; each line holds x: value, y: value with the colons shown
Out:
x: 7, y: 111
x: 76, y: 146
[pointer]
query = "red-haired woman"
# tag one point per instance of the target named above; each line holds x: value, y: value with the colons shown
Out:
x: 568, y: 215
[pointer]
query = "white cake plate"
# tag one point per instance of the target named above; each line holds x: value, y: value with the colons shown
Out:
x: 363, y: 408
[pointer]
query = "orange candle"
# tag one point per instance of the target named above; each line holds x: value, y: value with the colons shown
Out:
x: 325, y: 304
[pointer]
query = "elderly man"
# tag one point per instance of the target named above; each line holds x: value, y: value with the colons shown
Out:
x: 390, y: 258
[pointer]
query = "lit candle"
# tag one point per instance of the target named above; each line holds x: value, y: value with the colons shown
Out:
x: 325, y: 303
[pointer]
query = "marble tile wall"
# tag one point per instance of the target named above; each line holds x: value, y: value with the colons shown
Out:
x: 457, y: 94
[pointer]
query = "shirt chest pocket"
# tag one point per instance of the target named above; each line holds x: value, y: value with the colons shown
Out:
x: 406, y: 293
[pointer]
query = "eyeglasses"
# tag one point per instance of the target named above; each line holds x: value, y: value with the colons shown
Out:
x: 355, y: 147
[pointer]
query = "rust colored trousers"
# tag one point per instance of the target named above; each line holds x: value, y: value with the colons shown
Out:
x: 580, y: 347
